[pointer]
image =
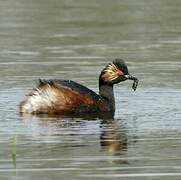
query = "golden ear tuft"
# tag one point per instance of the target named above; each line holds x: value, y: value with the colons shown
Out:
x: 111, y: 72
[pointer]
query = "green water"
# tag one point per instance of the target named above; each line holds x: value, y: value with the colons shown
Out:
x: 75, y: 40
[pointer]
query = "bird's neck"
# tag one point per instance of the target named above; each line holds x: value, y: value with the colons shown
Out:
x: 106, y: 91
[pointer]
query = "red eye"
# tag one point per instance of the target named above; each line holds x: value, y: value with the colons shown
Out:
x: 120, y: 73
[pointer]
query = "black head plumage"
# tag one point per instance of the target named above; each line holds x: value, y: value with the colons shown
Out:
x: 121, y: 65
x: 114, y: 72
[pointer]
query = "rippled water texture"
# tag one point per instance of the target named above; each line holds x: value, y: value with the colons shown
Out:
x: 75, y: 40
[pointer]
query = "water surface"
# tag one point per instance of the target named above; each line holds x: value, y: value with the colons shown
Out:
x: 75, y: 40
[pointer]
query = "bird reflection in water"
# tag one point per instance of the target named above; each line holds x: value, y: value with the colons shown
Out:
x: 113, y: 140
x: 113, y: 137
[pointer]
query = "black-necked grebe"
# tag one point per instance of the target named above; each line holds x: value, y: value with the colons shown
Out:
x: 68, y: 97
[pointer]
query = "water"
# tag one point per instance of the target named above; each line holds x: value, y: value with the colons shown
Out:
x: 75, y: 40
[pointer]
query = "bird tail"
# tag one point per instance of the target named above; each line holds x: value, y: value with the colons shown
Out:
x: 40, y: 100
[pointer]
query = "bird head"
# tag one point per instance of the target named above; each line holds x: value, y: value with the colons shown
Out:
x: 115, y: 73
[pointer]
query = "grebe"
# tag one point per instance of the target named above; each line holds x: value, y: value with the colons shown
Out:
x: 68, y: 97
